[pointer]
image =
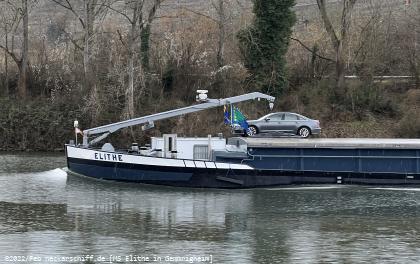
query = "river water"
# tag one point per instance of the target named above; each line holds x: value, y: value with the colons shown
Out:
x: 49, y: 216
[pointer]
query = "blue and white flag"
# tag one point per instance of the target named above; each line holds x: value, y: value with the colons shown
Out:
x: 239, y: 118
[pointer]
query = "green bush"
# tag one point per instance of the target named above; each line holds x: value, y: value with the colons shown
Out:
x: 36, y: 125
x: 409, y: 125
x: 364, y: 98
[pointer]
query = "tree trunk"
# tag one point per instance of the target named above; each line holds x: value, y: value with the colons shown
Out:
x: 339, y: 70
x: 86, y: 48
x: 338, y: 42
x: 312, y: 73
x: 90, y: 81
x: 86, y: 62
x: 416, y: 46
x: 130, y: 70
x: 222, y: 33
x: 24, y: 64
x: 6, y: 64
x: 136, y: 30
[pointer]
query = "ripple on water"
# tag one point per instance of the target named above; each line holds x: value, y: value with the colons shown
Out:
x: 45, y: 212
x: 404, y: 189
x: 303, y: 188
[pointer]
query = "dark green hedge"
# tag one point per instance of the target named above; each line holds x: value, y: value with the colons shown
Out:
x: 38, y: 125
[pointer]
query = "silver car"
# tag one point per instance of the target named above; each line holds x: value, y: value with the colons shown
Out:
x: 286, y: 123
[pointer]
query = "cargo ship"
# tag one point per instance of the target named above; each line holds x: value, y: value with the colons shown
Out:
x: 242, y: 162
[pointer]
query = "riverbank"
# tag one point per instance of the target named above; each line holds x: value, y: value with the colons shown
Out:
x: 46, y: 124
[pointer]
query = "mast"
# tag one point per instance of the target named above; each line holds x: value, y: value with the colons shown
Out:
x: 204, y: 104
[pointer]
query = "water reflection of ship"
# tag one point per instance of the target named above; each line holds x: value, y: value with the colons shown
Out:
x: 165, y: 222
x: 184, y: 214
x: 259, y: 226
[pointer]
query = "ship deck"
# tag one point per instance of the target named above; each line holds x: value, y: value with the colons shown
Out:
x: 336, y: 143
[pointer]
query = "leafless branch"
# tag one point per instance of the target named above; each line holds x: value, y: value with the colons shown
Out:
x: 11, y: 54
x: 120, y: 12
x: 200, y: 14
x: 121, y: 37
x: 161, y: 17
x: 68, y: 35
x: 327, y: 22
x: 311, y: 50
x: 364, y: 40
x: 345, y: 21
x: 71, y: 9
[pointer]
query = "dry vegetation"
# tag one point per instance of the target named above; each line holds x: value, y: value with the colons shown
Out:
x: 83, y: 70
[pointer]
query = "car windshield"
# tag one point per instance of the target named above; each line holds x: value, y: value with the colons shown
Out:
x: 266, y: 116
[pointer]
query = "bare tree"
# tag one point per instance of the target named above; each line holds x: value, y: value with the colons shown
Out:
x: 219, y: 6
x: 24, y: 66
x: 338, y: 38
x: 221, y: 20
x: 411, y: 41
x: 21, y: 13
x: 6, y: 58
x: 10, y: 18
x: 139, y: 14
x: 87, y: 16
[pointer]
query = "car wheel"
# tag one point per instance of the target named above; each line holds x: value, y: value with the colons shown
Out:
x: 304, y: 132
x: 251, y: 131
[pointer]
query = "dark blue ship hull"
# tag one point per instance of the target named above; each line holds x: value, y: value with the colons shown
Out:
x: 212, y: 178
x: 264, y: 167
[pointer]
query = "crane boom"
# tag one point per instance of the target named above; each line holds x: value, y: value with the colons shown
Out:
x: 149, y: 119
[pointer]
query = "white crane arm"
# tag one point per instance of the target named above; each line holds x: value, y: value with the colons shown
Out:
x: 207, y: 104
